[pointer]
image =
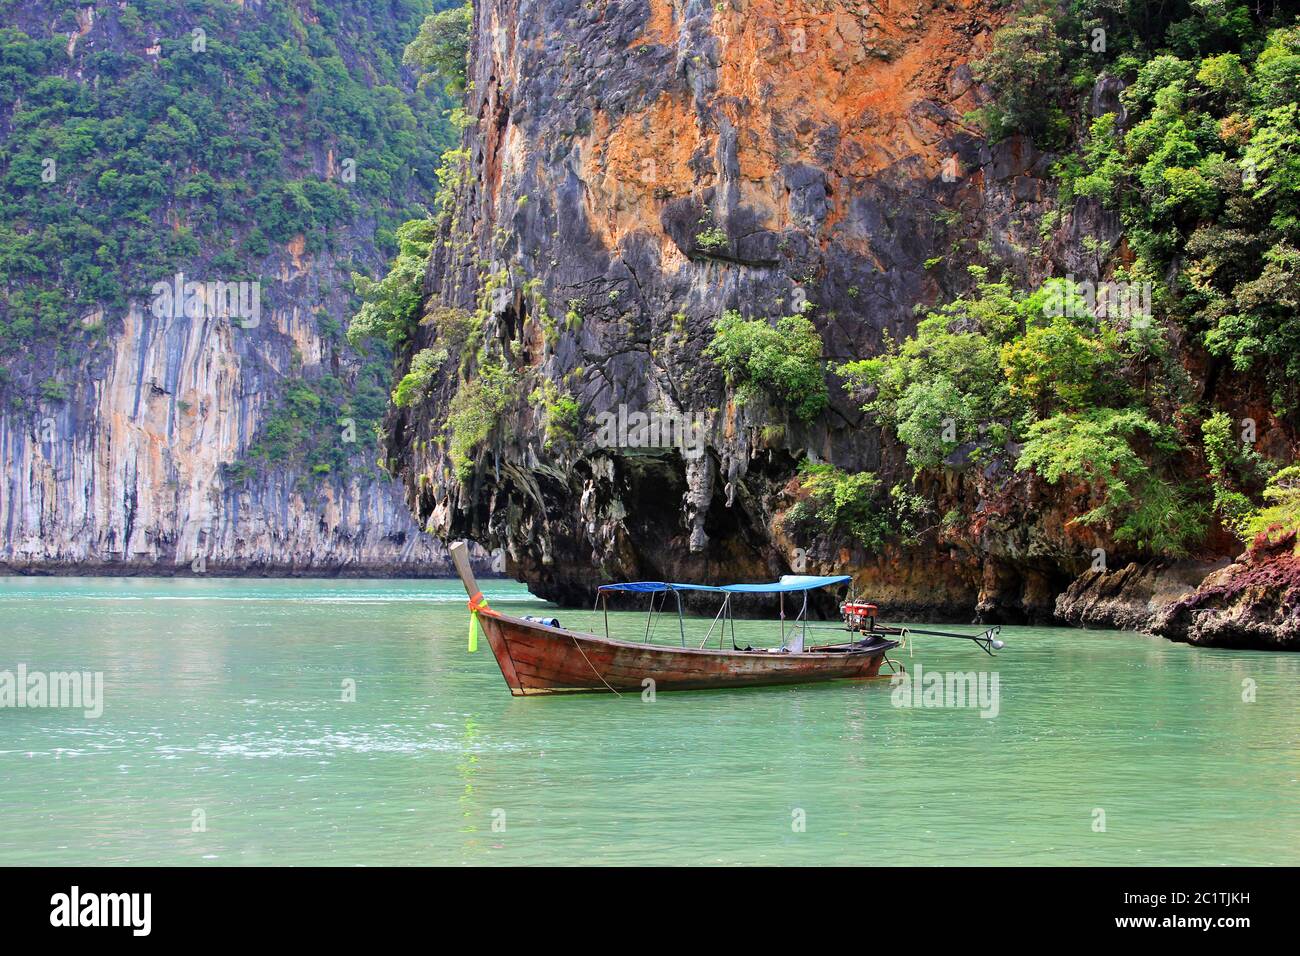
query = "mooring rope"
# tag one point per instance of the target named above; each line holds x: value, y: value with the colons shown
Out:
x: 593, y: 666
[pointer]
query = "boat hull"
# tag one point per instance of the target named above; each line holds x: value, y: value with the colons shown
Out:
x: 536, y: 659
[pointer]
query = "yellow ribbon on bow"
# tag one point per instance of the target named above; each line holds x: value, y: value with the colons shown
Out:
x: 475, y: 604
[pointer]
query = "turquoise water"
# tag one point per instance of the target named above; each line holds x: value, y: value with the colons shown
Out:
x: 224, y: 739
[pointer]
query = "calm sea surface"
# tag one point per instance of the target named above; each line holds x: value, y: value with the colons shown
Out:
x: 225, y: 739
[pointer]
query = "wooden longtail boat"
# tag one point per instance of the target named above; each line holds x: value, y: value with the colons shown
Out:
x: 538, y: 657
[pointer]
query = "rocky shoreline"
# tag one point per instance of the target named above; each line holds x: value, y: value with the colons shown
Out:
x: 1130, y: 598
x: 1250, y: 603
x: 222, y: 571
x: 422, y: 563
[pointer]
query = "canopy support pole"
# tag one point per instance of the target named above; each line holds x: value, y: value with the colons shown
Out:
x: 802, y: 635
x: 715, y: 621
x: 649, y: 617
x: 681, y: 624
x: 731, y: 616
x: 804, y: 615
x: 722, y: 631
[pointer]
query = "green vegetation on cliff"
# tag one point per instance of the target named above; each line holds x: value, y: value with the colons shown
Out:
x: 1238, y: 473
x: 218, y: 140
x: 1204, y: 170
x: 944, y: 386
x: 560, y: 412
x: 474, y: 413
x: 1206, y: 175
x: 195, y: 137
x: 391, y: 311
x: 784, y: 361
x: 1121, y: 454
x: 1281, y: 510
x: 390, y: 307
x: 1002, y: 366
x: 854, y: 505
x: 320, y: 426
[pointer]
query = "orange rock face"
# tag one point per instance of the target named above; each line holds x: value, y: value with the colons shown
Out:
x: 630, y: 168
x: 788, y: 73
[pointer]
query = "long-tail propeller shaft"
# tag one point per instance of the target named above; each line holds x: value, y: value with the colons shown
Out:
x: 988, y: 642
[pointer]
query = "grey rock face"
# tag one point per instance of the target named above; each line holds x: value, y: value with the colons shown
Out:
x: 127, y: 476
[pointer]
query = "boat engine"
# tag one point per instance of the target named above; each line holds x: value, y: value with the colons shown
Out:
x: 858, y: 615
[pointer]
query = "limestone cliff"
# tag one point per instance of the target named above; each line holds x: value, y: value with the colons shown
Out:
x: 636, y: 168
x: 127, y: 475
x: 652, y: 164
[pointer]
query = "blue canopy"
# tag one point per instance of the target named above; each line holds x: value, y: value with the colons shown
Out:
x: 654, y: 587
x: 788, y: 582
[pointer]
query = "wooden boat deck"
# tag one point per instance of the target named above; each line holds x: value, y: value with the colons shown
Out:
x: 544, y: 660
